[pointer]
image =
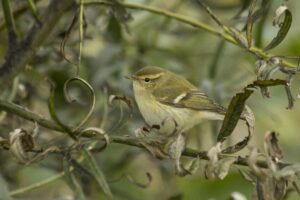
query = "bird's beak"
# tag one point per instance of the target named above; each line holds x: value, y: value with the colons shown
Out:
x: 132, y: 77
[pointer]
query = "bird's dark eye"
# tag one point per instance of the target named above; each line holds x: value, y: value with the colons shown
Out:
x: 147, y: 80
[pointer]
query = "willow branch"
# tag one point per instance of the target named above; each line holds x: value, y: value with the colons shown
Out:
x: 190, y: 21
x: 131, y: 141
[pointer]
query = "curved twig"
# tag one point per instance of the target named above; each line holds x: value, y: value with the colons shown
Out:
x: 68, y: 98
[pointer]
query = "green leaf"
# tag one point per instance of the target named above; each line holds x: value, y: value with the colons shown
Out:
x: 97, y: 172
x: 284, y: 26
x: 233, y: 114
x: 250, y: 21
x: 236, y: 107
x: 73, y: 182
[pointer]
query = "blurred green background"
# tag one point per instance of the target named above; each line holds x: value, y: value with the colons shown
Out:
x: 112, y: 50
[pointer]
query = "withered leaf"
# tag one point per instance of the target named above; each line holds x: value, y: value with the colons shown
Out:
x: 284, y: 26
x: 237, y: 105
x: 233, y: 114
x: 20, y: 143
x: 272, y: 147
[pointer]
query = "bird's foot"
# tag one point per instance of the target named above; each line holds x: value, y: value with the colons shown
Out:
x: 143, y: 131
x: 175, y: 146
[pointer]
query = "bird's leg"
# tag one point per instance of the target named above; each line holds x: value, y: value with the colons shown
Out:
x: 175, y: 147
x: 152, y: 146
x: 142, y: 131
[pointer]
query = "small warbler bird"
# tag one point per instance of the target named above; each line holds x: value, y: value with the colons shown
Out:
x: 161, y: 95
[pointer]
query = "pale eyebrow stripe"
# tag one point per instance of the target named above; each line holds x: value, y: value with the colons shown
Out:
x: 155, y: 76
x: 179, y: 98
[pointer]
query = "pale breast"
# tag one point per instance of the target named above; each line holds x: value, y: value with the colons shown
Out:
x: 155, y: 113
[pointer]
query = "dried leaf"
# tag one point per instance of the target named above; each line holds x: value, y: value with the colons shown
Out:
x: 284, y: 26
x: 262, y: 75
x: 272, y: 147
x: 20, y: 142
x: 250, y: 122
x: 236, y: 108
x: 142, y: 185
x: 233, y: 114
x: 216, y: 168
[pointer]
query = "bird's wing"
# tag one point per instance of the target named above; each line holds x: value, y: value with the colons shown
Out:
x: 192, y: 99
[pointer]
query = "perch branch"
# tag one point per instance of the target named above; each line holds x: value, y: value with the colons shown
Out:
x: 131, y: 141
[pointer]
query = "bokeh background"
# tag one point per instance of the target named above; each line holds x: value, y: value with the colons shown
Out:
x: 112, y: 50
